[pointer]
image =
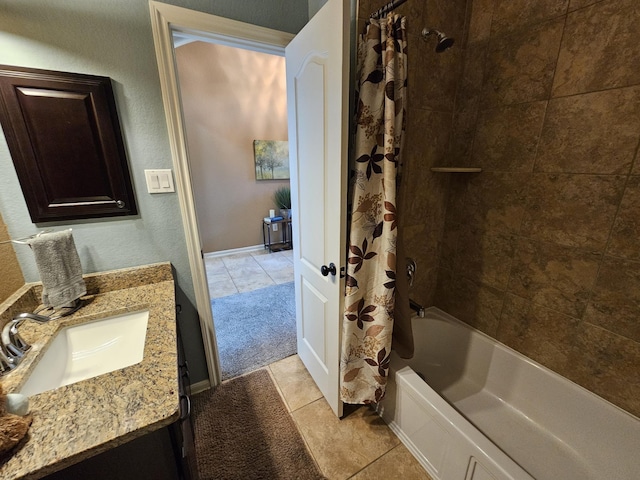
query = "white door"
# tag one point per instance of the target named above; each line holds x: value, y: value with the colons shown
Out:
x: 317, y: 62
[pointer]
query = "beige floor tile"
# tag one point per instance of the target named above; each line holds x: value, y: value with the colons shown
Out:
x: 218, y: 276
x: 397, y: 463
x: 216, y: 270
x: 248, y: 271
x: 286, y: 254
x: 273, y: 261
x: 343, y: 447
x: 247, y: 281
x: 260, y: 252
x: 222, y: 288
x: 238, y: 260
x: 214, y: 263
x: 295, y: 383
x: 247, y: 274
x: 283, y: 275
x: 278, y: 267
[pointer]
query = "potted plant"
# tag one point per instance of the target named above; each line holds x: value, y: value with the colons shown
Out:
x: 282, y: 199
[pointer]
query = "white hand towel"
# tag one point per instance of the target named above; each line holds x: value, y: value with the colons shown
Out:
x: 60, y: 268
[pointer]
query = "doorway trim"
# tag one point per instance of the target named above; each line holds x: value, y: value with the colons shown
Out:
x: 166, y: 19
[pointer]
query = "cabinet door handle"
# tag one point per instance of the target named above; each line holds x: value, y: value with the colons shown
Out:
x: 331, y: 269
x: 184, y: 373
x: 183, y: 415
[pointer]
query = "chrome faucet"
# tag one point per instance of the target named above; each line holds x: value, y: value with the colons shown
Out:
x: 13, y: 347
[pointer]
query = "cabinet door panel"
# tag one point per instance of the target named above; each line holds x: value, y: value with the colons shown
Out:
x: 65, y: 141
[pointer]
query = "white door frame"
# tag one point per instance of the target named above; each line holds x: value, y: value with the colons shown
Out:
x: 166, y: 19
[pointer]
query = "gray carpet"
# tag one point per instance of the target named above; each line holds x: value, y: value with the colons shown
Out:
x: 254, y: 329
x: 243, y: 432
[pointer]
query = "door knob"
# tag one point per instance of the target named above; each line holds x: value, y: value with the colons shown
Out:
x: 331, y: 269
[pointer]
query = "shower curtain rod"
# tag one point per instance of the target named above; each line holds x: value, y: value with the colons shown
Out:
x: 381, y: 12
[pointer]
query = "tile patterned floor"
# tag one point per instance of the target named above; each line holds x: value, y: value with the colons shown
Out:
x: 359, y: 446
x: 244, y: 272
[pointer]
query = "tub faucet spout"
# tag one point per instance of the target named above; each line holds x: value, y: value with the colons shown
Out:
x: 419, y: 309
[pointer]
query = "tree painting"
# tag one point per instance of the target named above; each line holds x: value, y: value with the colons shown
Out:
x: 272, y: 159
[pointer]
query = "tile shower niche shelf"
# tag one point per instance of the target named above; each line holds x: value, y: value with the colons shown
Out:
x: 456, y: 169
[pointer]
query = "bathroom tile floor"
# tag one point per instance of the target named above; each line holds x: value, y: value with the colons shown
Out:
x: 244, y: 272
x: 360, y: 446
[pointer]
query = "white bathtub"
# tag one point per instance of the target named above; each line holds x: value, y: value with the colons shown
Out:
x: 487, y: 412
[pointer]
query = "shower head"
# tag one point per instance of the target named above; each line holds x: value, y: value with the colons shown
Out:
x: 444, y: 42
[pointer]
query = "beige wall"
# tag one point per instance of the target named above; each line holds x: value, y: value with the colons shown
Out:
x: 541, y: 249
x: 230, y: 97
x: 11, y: 278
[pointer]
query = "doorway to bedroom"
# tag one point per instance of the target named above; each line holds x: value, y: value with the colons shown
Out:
x: 234, y: 100
x: 254, y: 309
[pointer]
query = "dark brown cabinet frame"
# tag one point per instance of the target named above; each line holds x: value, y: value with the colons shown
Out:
x: 64, y: 137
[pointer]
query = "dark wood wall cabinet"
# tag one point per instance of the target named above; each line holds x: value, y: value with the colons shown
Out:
x: 64, y: 137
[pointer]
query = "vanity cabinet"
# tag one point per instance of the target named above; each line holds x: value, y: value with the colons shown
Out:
x: 64, y: 137
x: 165, y: 454
x: 150, y: 457
x: 183, y: 435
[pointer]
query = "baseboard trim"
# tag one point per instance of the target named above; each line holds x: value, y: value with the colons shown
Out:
x: 222, y: 253
x: 200, y: 386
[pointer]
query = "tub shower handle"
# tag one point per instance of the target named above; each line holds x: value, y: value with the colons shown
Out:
x: 331, y: 269
x: 411, y: 270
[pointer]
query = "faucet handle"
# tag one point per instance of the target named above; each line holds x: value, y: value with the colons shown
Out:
x: 7, y: 362
x: 13, y: 344
x: 9, y: 334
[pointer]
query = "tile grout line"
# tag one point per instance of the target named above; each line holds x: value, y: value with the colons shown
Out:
x: 311, y: 451
x: 290, y: 412
x: 309, y: 447
x: 275, y: 382
x: 400, y: 444
x: 284, y: 262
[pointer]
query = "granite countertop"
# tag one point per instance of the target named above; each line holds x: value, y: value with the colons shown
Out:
x: 78, y: 421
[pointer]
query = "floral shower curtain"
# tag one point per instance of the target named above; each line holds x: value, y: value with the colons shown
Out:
x: 371, y: 267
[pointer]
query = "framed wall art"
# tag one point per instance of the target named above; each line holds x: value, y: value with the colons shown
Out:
x: 271, y: 159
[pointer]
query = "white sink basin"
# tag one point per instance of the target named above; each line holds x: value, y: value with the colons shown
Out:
x: 90, y: 349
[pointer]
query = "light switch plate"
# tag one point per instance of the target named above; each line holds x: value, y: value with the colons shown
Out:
x: 159, y: 181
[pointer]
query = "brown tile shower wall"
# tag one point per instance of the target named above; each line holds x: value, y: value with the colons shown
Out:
x: 432, y: 86
x: 541, y: 250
